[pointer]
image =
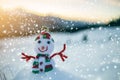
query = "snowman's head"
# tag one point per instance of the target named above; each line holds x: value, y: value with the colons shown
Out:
x: 44, y: 43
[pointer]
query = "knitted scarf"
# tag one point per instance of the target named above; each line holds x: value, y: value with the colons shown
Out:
x: 47, y: 59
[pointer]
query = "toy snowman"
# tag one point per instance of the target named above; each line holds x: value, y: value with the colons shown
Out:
x: 43, y: 62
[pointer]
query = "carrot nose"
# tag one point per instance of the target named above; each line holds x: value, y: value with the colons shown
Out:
x: 42, y: 47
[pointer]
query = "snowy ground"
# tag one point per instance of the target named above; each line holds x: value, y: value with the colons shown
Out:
x: 95, y: 58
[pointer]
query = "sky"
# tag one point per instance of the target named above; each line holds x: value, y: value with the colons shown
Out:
x: 88, y: 10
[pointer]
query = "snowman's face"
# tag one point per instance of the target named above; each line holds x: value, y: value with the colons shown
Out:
x: 44, y: 46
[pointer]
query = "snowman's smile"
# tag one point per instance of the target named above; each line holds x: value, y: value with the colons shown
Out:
x: 43, y: 49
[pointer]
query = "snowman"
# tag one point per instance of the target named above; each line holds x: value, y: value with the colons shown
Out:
x: 43, y: 61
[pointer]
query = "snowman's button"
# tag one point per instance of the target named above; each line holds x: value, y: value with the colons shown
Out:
x: 41, y: 70
x: 41, y: 63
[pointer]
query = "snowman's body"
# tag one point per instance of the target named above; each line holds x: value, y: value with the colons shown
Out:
x: 42, y: 65
x: 44, y: 47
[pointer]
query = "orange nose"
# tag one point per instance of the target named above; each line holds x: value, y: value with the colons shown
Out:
x: 42, y: 47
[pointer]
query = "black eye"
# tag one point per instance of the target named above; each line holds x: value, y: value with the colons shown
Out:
x: 48, y: 42
x: 39, y: 42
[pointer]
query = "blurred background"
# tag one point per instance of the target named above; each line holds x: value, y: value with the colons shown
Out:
x: 90, y: 29
x: 23, y: 17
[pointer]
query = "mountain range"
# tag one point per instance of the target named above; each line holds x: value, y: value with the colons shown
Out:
x: 21, y: 22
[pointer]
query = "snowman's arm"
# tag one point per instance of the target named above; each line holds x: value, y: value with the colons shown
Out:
x: 27, y: 57
x: 62, y: 56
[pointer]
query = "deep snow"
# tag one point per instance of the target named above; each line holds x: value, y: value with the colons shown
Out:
x: 95, y: 58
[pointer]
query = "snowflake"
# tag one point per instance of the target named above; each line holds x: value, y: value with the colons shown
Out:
x: 73, y: 24
x: 107, y: 67
x: 98, y: 22
x: 71, y: 28
x: 103, y: 69
x: 15, y: 31
x: 13, y: 60
x: 50, y: 78
x: 4, y: 31
x: 76, y: 28
x: 115, y: 66
x: 38, y: 31
x: 36, y: 25
x: 3, y: 26
x: 30, y: 31
x: 117, y: 28
x: 92, y: 29
x: 100, y: 28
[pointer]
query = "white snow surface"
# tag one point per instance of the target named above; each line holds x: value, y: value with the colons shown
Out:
x: 97, y: 58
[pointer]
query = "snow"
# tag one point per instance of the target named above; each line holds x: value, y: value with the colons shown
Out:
x: 96, y: 58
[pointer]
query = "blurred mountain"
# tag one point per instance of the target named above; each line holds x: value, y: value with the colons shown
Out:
x: 20, y: 22
x: 115, y: 22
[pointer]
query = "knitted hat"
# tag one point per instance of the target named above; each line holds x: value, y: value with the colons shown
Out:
x: 44, y: 35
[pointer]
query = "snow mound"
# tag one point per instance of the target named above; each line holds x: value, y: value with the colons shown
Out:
x: 92, y: 55
x: 56, y: 74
